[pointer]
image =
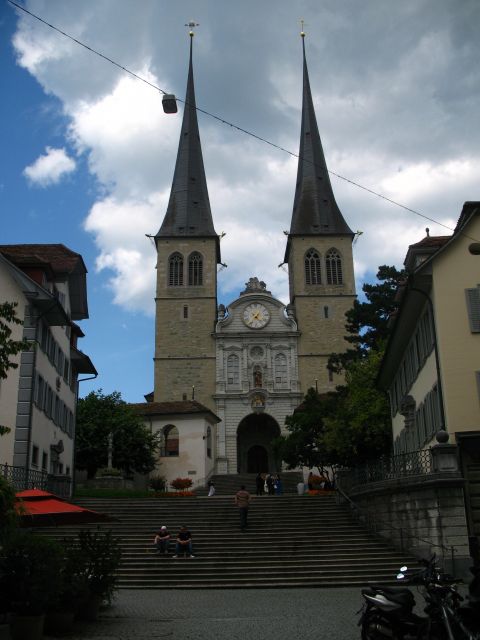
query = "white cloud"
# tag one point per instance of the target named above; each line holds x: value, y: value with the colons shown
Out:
x: 50, y: 168
x: 395, y: 100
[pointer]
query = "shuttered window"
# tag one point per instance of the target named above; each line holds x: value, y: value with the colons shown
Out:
x: 473, y: 308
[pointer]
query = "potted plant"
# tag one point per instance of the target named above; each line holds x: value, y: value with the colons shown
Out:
x: 29, y: 568
x: 73, y: 591
x: 102, y: 554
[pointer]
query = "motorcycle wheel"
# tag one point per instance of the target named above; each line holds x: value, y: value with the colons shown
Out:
x: 372, y: 626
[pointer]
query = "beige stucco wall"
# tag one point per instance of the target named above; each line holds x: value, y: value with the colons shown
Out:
x: 192, y: 432
x: 9, y: 387
x: 455, y: 270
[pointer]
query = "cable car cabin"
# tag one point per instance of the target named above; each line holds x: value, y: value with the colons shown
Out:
x: 169, y: 103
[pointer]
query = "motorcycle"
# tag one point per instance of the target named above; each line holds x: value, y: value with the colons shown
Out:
x: 388, y: 611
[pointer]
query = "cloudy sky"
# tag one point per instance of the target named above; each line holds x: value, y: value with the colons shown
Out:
x: 87, y: 154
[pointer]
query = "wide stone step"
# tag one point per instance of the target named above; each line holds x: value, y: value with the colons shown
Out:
x: 292, y: 541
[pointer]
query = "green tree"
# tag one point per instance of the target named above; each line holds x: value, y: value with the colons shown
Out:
x: 304, y: 444
x: 358, y: 426
x: 367, y: 322
x: 9, y: 347
x: 98, y: 416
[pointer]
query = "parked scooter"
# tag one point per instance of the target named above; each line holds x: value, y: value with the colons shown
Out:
x: 388, y: 611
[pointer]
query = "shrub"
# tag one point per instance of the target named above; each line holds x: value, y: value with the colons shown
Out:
x: 181, y: 484
x: 102, y: 555
x: 30, y: 569
x: 157, y: 483
x: 8, y: 515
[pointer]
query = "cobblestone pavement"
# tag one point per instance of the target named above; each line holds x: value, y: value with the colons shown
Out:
x: 229, y: 614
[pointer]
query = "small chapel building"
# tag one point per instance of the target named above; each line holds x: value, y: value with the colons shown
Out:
x: 226, y: 377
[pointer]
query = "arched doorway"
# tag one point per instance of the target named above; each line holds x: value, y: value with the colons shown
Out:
x: 257, y: 459
x: 254, y: 444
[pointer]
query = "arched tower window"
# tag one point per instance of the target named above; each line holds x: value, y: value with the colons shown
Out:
x: 209, y: 442
x: 333, y: 263
x: 312, y: 267
x: 175, y: 270
x: 233, y: 369
x: 280, y: 364
x: 195, y: 269
x: 170, y: 445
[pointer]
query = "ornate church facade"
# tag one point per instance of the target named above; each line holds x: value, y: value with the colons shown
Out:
x: 225, y: 377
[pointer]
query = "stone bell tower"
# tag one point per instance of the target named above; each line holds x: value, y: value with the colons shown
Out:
x: 188, y: 250
x: 319, y: 257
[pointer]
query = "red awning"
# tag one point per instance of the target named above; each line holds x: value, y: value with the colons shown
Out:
x: 41, y: 508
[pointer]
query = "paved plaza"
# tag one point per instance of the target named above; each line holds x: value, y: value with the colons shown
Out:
x: 230, y: 614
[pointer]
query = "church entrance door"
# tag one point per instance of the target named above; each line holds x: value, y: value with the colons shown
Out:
x: 257, y: 459
x: 254, y: 444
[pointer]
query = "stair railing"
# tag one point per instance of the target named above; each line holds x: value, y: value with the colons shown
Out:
x: 371, y: 521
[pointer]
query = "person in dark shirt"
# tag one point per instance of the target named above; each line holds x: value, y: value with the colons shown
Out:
x: 184, y: 543
x: 161, y: 540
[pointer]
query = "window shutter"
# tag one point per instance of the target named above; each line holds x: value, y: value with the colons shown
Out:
x: 473, y: 308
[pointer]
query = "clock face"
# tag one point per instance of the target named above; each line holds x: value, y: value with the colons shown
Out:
x: 256, y: 316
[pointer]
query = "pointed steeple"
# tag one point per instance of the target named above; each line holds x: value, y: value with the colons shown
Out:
x: 315, y: 211
x: 188, y: 212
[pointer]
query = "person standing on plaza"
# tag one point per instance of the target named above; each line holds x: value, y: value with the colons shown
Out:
x: 184, y: 543
x: 242, y: 500
x: 211, y: 489
x: 259, y: 484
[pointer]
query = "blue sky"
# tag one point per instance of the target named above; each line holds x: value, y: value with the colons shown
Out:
x: 87, y: 154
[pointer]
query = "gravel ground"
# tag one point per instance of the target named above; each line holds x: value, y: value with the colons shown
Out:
x: 229, y: 614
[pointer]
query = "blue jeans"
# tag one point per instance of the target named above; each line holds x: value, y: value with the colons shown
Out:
x: 162, y: 546
x: 183, y: 548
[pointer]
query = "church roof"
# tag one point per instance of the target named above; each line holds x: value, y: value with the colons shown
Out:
x: 172, y: 408
x: 188, y: 212
x: 315, y: 211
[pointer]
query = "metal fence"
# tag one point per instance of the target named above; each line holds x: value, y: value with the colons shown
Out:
x: 21, y: 479
x: 402, y: 465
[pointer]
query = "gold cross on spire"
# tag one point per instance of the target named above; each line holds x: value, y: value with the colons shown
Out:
x: 191, y: 25
x: 303, y: 23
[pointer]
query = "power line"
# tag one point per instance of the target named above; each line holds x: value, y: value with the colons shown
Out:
x: 227, y: 123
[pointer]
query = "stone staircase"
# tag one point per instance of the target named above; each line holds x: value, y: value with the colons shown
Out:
x: 291, y: 541
x: 231, y: 483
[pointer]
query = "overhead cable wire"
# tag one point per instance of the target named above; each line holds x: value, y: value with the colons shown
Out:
x: 230, y: 124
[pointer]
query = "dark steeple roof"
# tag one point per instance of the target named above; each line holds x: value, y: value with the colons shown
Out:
x: 188, y: 212
x: 315, y: 211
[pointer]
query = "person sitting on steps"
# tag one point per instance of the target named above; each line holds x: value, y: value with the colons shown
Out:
x: 184, y: 543
x: 161, y: 540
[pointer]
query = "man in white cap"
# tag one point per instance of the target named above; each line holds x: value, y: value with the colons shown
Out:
x: 161, y: 540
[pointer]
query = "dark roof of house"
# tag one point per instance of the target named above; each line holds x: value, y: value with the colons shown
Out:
x: 431, y: 241
x: 188, y: 211
x: 58, y: 260
x: 170, y: 408
x: 57, y: 256
x: 315, y: 211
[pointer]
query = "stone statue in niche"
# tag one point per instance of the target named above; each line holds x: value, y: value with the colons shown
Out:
x: 254, y: 285
x: 257, y: 377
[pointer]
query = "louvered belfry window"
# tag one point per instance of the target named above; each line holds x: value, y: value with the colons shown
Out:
x: 175, y: 270
x: 333, y: 263
x: 195, y: 270
x: 312, y: 268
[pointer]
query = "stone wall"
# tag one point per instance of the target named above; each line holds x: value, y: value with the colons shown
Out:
x: 421, y: 514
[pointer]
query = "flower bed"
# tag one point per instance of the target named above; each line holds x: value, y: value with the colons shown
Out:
x: 174, y: 494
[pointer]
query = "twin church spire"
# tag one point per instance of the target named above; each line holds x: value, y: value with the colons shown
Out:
x: 188, y: 212
x: 315, y: 211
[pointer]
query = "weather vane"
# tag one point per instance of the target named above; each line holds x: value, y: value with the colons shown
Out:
x: 191, y: 25
x: 303, y: 23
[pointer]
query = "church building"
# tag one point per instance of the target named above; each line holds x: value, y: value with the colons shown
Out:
x: 226, y: 377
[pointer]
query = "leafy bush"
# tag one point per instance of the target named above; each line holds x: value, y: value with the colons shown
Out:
x: 30, y: 568
x: 8, y: 515
x: 157, y: 483
x: 181, y: 483
x: 102, y: 555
